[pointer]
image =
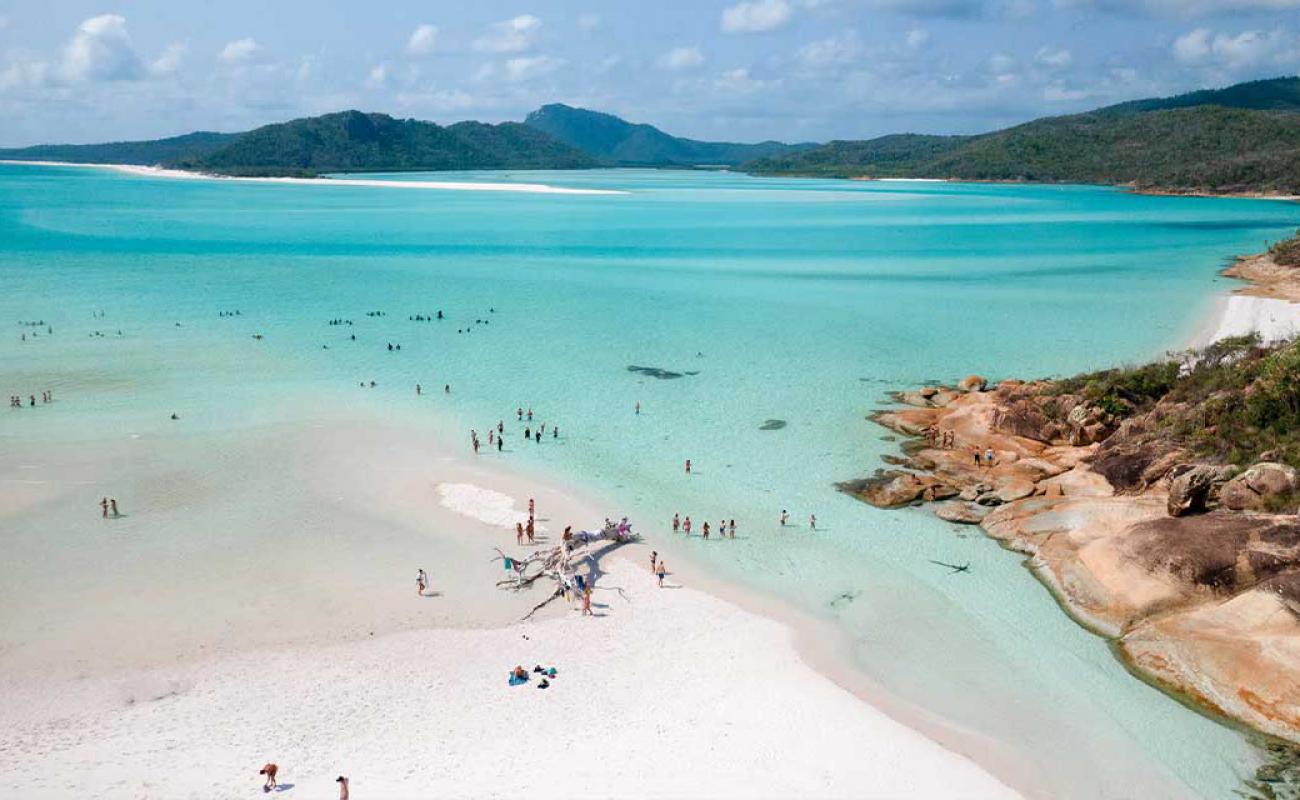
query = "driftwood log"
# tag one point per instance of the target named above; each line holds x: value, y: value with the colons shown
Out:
x: 561, y: 561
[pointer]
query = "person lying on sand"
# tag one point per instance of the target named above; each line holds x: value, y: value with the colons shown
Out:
x: 269, y: 771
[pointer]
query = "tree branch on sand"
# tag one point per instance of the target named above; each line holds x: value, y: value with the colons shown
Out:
x: 559, y: 562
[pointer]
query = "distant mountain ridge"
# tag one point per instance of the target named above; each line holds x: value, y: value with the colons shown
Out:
x: 616, y: 141
x: 154, y: 151
x: 1244, y: 138
x: 353, y: 141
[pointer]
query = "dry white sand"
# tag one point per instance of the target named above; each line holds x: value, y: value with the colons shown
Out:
x: 1240, y: 315
x: 172, y: 652
x: 464, y: 186
x: 667, y: 693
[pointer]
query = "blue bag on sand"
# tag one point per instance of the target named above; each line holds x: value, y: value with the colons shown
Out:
x: 516, y: 681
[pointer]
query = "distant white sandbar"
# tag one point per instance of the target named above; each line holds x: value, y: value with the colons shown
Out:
x: 465, y: 186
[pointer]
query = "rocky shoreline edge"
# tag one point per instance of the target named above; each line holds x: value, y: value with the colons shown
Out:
x: 1187, y: 563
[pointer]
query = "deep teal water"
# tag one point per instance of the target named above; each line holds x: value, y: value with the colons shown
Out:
x: 799, y: 300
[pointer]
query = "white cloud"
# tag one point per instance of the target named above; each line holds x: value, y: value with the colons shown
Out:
x: 240, y: 51
x: 422, y: 40
x: 169, y: 59
x: 917, y: 38
x: 680, y: 58
x: 739, y: 81
x: 1246, y: 49
x: 377, y: 77
x: 1056, y: 59
x: 24, y: 75
x: 1181, y: 8
x: 755, y: 15
x: 588, y: 22
x: 101, y: 50
x: 510, y: 36
x: 525, y: 68
x: 1001, y: 62
x: 842, y: 48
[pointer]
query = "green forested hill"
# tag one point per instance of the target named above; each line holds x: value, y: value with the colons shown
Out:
x: 614, y: 140
x: 147, y: 153
x: 350, y: 141
x: 1172, y: 144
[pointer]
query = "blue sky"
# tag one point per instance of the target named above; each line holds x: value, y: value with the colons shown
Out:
x: 78, y: 71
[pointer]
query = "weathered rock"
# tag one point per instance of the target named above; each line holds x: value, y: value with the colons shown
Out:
x: 939, y: 491
x: 989, y: 499
x: 943, y: 397
x: 1014, y: 490
x: 1023, y: 418
x: 914, y: 399
x: 972, y: 383
x: 890, y: 489
x: 1188, y: 491
x: 1053, y: 490
x: 1253, y: 489
x: 961, y: 513
x: 927, y: 391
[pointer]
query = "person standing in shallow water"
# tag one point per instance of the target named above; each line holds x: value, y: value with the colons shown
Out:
x: 661, y: 571
x: 785, y: 515
x: 686, y: 526
x: 705, y: 530
x: 688, y: 466
x: 421, y: 581
x: 103, y: 508
x: 677, y: 523
x: 812, y: 521
x: 112, y: 506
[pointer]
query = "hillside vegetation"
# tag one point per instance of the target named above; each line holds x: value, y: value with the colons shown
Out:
x: 351, y: 141
x: 616, y: 141
x: 146, y: 153
x: 1178, y: 144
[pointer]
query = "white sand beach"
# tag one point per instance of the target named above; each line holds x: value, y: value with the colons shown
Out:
x: 1242, y: 314
x: 461, y: 186
x: 292, y: 633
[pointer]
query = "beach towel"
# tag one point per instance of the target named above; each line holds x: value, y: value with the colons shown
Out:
x: 515, y: 681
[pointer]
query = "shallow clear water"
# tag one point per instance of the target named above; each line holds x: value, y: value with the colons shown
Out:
x: 798, y: 300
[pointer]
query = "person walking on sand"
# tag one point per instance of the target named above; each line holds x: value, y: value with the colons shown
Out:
x: 688, y: 466
x: 519, y: 533
x: 421, y: 581
x: 343, y: 787
x: 103, y: 508
x: 269, y: 770
x: 112, y: 506
x: 529, y: 530
x: 677, y: 523
x: 661, y: 571
x: 785, y: 516
x: 812, y: 521
x: 586, y: 602
x: 654, y: 559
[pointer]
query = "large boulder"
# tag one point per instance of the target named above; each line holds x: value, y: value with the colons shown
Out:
x: 961, y: 513
x: 1258, y: 486
x: 1024, y: 418
x: 889, y: 489
x: 1190, y: 489
x: 972, y: 383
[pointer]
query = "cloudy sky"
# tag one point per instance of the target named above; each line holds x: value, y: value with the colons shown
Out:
x: 74, y: 71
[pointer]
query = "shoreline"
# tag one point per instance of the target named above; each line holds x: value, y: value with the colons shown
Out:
x: 462, y: 186
x: 164, y: 692
x: 1225, y: 655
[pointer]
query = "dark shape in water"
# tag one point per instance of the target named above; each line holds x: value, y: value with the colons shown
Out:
x: 656, y: 372
x: 772, y: 425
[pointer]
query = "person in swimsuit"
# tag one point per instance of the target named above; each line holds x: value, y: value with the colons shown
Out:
x: 112, y: 506
x: 421, y: 581
x: 654, y: 559
x: 270, y: 771
x: 677, y: 523
x: 686, y: 526
x: 661, y: 571
x: 103, y: 508
x: 731, y: 529
x: 812, y: 521
x: 706, y: 530
x: 586, y: 602
x: 343, y: 787
x: 519, y: 533
x: 688, y: 466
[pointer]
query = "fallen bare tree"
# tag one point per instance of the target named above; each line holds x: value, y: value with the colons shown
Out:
x: 560, y: 562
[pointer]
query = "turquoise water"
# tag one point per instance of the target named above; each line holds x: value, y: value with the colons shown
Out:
x: 799, y: 300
